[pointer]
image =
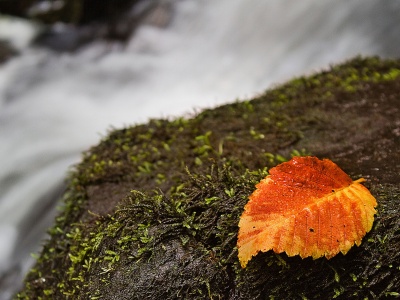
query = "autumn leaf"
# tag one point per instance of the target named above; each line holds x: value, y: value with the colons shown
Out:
x: 306, y: 207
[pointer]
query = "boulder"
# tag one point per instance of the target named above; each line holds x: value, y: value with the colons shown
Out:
x: 152, y: 211
x: 6, y: 51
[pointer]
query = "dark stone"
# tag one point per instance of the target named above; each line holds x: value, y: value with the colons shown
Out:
x: 74, y: 23
x: 6, y: 51
x: 152, y: 211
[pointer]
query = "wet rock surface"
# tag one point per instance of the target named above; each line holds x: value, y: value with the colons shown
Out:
x: 152, y: 211
x: 69, y: 25
x: 6, y: 51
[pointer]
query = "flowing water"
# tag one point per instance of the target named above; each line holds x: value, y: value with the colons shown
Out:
x: 55, y: 105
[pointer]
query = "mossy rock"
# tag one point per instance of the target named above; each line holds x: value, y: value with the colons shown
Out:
x: 152, y: 211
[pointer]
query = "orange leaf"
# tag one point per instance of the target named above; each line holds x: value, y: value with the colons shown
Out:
x: 306, y: 207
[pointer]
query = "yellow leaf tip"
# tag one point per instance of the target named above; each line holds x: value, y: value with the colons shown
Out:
x: 360, y: 180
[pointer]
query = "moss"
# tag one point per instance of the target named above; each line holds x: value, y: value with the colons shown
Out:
x: 152, y: 211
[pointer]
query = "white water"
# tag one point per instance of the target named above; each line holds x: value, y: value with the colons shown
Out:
x: 54, y: 106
